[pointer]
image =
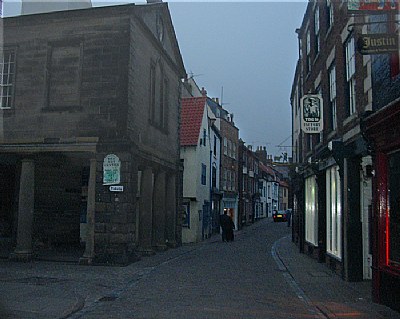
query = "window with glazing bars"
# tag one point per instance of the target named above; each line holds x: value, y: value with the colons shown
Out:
x: 7, y: 66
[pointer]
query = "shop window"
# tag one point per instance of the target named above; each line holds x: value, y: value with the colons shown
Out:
x: 311, y: 211
x: 394, y: 214
x: 333, y: 212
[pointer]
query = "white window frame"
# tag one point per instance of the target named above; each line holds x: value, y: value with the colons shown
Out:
x: 350, y: 74
x: 333, y: 212
x: 311, y: 211
x: 332, y: 96
x: 7, y: 71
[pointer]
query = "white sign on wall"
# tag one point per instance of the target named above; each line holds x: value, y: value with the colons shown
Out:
x: 312, y: 120
x: 111, y: 170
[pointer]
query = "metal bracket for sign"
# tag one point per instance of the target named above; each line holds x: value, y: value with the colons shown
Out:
x: 351, y: 25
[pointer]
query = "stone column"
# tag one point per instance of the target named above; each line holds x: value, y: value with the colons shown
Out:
x: 159, y: 211
x: 146, y: 213
x: 88, y: 255
x: 26, y: 203
x: 171, y: 211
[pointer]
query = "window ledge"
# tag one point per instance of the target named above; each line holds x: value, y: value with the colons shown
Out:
x: 350, y: 118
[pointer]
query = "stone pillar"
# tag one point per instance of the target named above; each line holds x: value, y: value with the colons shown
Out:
x: 26, y: 203
x: 171, y: 211
x: 88, y: 255
x: 146, y: 213
x: 159, y: 211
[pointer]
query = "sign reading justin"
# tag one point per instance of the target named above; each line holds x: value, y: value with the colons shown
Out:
x: 372, y: 5
x: 312, y: 114
x: 111, y: 170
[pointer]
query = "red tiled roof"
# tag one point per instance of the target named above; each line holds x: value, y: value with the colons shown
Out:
x: 191, y: 118
x: 284, y: 184
x: 267, y: 169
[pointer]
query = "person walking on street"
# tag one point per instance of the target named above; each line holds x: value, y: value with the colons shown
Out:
x: 288, y: 216
x: 227, y: 226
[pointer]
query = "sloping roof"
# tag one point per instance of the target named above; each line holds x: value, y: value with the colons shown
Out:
x: 284, y: 184
x: 191, y: 118
x: 267, y: 169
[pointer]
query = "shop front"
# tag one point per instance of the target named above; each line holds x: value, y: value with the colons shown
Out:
x: 383, y: 130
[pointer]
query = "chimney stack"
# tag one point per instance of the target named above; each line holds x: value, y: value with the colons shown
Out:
x: 203, y: 92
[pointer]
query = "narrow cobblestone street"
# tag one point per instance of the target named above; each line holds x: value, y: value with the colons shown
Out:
x: 215, y: 280
x: 259, y: 275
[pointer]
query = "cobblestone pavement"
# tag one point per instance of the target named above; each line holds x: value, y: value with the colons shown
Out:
x: 259, y: 275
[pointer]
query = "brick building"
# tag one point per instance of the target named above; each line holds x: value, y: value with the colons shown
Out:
x: 89, y: 133
x: 332, y: 219
x: 227, y: 194
x: 343, y: 214
x: 249, y: 192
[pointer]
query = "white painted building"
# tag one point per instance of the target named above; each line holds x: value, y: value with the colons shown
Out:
x: 196, y: 147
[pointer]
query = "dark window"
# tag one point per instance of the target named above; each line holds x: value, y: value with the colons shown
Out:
x: 214, y: 177
x: 215, y: 145
x: 203, y: 174
x: 316, y: 31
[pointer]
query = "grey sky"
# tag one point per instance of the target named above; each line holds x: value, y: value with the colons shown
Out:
x: 249, y: 49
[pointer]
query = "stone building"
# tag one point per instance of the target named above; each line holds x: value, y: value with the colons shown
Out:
x: 89, y: 132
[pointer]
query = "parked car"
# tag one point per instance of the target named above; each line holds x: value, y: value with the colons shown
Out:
x: 279, y: 216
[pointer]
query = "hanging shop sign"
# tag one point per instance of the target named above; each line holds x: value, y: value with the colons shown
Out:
x: 312, y: 114
x: 373, y: 6
x: 111, y: 170
x: 378, y: 43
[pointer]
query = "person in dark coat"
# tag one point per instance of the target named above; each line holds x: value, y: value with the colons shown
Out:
x: 227, y: 226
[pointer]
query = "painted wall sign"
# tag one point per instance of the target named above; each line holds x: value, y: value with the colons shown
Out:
x: 117, y: 188
x: 111, y: 170
x: 372, y: 5
x: 378, y: 43
x: 312, y: 120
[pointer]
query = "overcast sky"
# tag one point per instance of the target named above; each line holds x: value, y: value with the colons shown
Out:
x: 248, y: 51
